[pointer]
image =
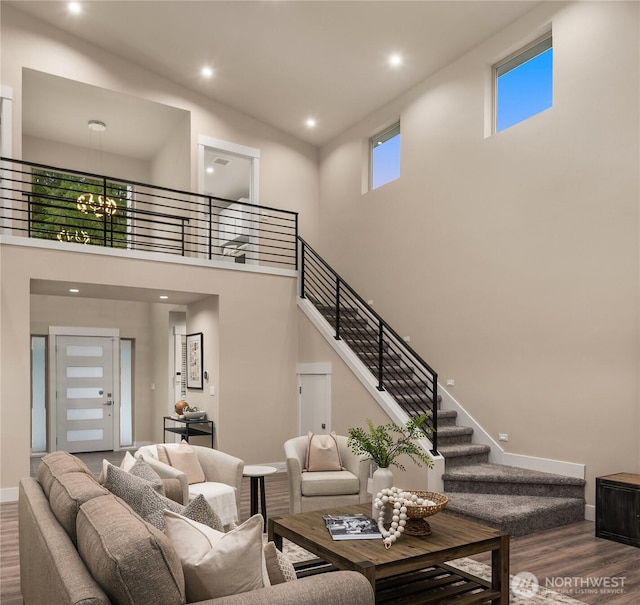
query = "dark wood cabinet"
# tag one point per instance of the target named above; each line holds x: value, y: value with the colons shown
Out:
x: 618, y: 508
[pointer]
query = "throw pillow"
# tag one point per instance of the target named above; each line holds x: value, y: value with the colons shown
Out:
x: 126, y: 486
x: 152, y: 506
x: 126, y: 464
x: 144, y: 470
x: 323, y: 453
x: 184, y: 459
x: 161, y: 450
x: 279, y: 568
x: 216, y: 564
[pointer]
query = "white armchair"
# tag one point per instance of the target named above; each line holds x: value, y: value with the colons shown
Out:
x: 324, y: 489
x: 223, y: 474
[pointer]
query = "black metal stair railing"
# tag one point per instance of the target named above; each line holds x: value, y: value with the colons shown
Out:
x: 47, y: 202
x: 398, y: 369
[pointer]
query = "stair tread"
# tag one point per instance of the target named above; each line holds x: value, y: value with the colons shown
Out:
x: 447, y: 414
x: 516, y: 515
x: 448, y: 431
x: 489, y: 507
x: 498, y: 473
x: 463, y: 449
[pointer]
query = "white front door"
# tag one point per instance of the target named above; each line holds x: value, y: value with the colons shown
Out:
x: 84, y: 393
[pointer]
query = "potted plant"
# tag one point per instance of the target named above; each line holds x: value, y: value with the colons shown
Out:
x: 385, y: 443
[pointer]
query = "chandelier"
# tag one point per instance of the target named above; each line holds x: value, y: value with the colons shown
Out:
x: 100, y: 205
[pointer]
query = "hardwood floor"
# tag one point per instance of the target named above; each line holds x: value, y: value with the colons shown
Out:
x: 570, y: 559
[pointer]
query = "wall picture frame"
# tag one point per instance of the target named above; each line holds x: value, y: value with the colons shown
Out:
x: 195, y: 360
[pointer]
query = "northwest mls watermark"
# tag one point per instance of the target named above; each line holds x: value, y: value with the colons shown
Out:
x: 527, y: 585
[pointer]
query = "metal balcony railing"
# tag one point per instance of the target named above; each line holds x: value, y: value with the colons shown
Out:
x: 398, y: 369
x: 47, y: 202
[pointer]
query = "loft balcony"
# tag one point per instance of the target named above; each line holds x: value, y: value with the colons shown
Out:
x: 59, y: 207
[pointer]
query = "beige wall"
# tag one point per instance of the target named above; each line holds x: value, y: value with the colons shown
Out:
x: 202, y: 316
x: 512, y: 260
x: 288, y: 167
x: 256, y: 349
x: 54, y: 153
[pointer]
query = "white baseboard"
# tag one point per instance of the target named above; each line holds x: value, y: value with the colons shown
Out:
x: 590, y: 512
x: 9, y: 494
x: 559, y: 467
x: 139, y: 444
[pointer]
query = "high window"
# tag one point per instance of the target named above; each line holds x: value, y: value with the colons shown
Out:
x: 524, y: 84
x: 385, y: 157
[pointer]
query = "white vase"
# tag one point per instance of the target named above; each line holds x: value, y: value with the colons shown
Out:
x: 382, y: 479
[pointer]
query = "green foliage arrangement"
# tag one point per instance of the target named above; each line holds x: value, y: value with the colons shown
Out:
x: 383, y: 446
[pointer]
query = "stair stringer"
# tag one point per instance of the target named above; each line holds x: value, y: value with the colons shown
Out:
x: 480, y: 436
x: 364, y: 375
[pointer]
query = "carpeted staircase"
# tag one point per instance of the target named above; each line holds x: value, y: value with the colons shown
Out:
x: 514, y: 500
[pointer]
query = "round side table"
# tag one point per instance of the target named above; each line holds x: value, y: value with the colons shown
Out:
x: 257, y: 474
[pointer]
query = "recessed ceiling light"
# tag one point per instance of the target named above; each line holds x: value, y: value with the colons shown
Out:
x: 164, y: 297
x: 74, y: 8
x: 74, y: 290
x: 310, y: 122
x: 395, y: 60
x: 210, y: 169
x: 206, y: 71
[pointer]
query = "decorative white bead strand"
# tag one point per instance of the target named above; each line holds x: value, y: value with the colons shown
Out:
x: 398, y: 499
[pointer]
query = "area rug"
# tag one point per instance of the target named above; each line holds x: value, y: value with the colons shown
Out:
x: 524, y: 589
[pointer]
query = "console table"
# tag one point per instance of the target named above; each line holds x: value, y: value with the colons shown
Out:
x: 618, y: 508
x: 190, y: 428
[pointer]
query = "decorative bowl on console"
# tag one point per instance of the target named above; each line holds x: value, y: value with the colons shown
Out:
x: 197, y: 415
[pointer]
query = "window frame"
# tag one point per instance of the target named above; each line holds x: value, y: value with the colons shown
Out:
x: 382, y: 137
x: 538, y: 46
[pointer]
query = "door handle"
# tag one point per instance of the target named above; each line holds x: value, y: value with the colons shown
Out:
x: 108, y: 403
x: 324, y: 426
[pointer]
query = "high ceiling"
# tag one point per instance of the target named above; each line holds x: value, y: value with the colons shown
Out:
x: 285, y: 61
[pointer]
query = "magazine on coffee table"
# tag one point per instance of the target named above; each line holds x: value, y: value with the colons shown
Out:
x: 352, y: 527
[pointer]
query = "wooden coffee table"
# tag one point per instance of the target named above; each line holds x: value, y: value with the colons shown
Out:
x: 414, y: 569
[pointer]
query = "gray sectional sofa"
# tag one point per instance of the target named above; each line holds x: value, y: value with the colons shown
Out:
x: 81, y: 545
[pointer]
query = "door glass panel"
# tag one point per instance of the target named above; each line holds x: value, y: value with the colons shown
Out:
x: 86, y: 435
x: 85, y: 414
x: 84, y: 372
x: 84, y: 351
x: 126, y: 392
x: 38, y: 394
x: 85, y: 393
